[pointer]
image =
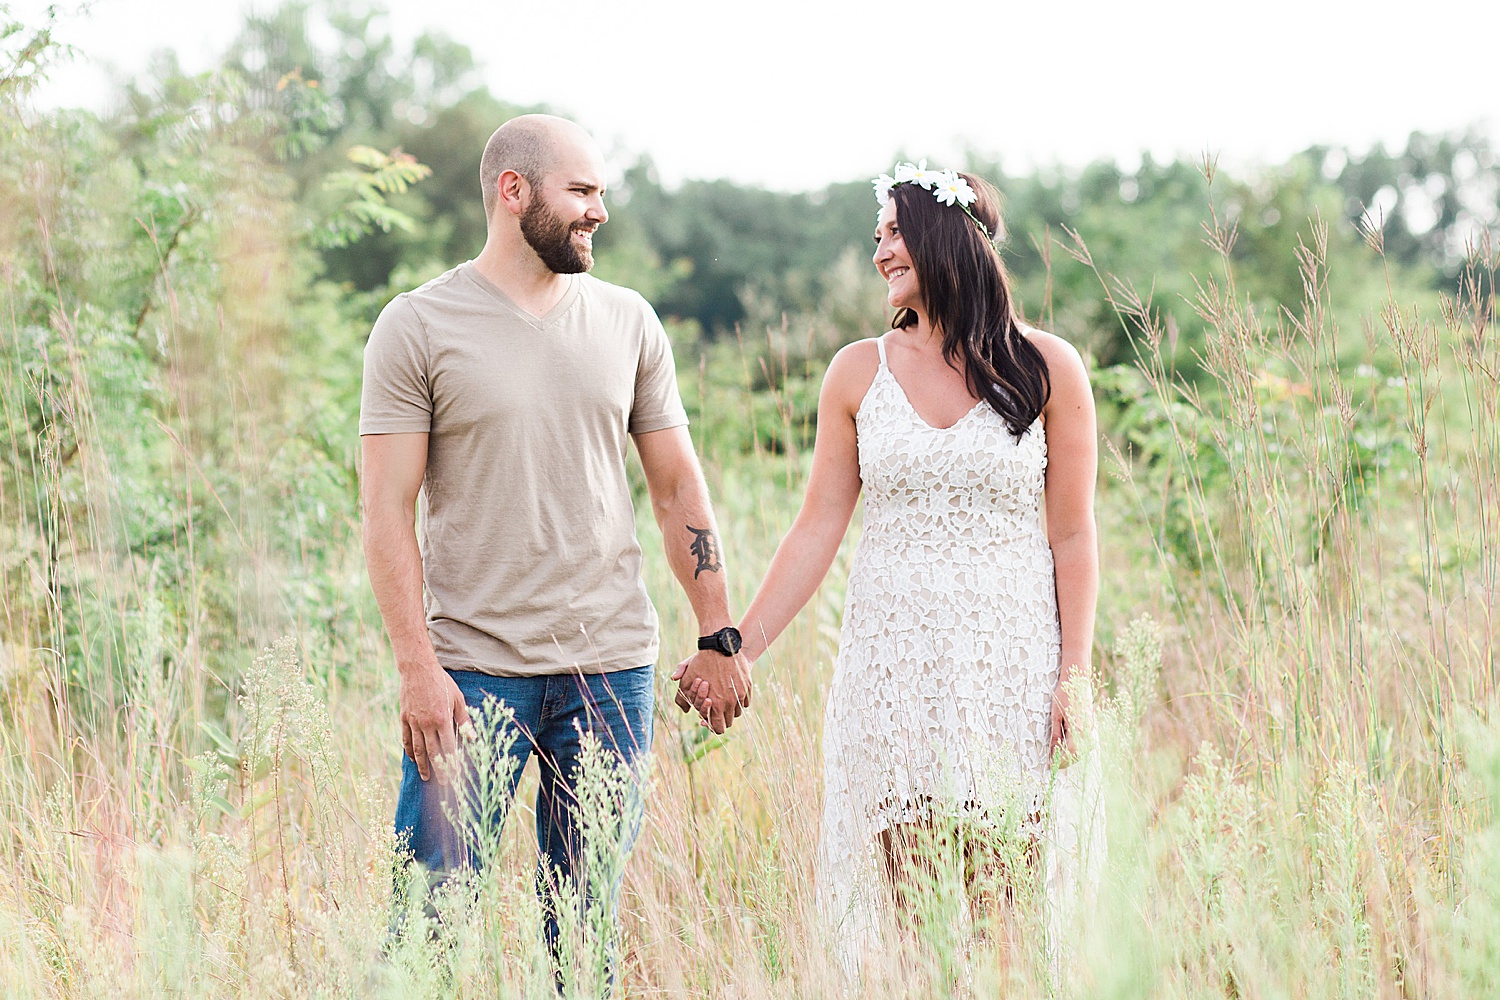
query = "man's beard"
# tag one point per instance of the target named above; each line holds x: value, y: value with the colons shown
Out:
x: 552, y: 239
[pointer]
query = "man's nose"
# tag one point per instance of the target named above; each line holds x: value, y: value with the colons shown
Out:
x: 596, y: 211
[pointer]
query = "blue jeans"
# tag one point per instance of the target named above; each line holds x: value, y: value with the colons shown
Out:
x: 551, y: 715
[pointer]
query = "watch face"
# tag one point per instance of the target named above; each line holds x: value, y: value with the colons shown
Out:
x: 730, y: 641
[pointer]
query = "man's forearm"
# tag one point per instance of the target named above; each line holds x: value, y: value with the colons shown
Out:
x: 394, y: 563
x: 690, y: 536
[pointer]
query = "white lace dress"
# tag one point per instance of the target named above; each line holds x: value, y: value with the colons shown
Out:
x: 947, y: 659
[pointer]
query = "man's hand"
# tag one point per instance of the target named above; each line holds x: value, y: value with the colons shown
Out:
x: 718, y: 686
x: 432, y: 711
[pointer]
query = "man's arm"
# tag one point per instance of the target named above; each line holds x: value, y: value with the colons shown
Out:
x: 679, y: 498
x: 431, y: 705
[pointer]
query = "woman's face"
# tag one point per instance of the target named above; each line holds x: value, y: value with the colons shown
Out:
x: 902, y: 290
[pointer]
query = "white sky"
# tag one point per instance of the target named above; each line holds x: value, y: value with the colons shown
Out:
x: 794, y: 94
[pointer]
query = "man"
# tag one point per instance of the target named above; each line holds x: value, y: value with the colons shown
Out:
x: 503, y: 391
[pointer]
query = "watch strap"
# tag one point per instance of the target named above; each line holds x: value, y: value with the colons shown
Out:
x: 726, y: 641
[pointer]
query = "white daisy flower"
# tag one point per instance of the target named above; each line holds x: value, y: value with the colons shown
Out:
x: 950, y: 188
x: 883, y: 185
x: 921, y: 175
x: 906, y: 172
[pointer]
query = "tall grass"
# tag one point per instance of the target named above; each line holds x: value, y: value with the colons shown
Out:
x: 1296, y: 654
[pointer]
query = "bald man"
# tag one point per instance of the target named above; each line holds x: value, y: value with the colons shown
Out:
x: 503, y: 392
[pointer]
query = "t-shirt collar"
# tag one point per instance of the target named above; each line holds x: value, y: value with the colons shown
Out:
x: 569, y: 296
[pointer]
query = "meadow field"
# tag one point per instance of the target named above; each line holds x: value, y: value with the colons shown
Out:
x: 1295, y: 667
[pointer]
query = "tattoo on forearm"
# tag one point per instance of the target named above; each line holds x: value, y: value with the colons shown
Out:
x: 705, y: 549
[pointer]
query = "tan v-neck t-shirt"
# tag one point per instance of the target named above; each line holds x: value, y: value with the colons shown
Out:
x: 529, y: 552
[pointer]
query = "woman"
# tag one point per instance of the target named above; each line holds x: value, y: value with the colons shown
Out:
x: 971, y: 596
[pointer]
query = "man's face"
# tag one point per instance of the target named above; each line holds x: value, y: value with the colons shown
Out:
x: 565, y: 210
x: 566, y: 247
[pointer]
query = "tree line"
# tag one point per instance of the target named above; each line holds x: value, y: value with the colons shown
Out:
x: 720, y: 255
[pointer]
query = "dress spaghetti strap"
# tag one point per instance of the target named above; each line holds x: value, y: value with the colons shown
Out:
x: 880, y: 343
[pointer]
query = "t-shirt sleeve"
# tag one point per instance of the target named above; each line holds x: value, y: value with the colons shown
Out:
x: 396, y: 397
x: 657, y: 403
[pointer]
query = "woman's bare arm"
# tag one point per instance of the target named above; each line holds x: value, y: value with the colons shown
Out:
x: 1072, y: 465
x: 804, y: 555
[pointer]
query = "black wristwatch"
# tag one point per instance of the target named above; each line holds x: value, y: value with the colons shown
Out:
x: 727, y: 641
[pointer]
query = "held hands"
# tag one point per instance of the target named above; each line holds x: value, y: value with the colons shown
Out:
x: 432, y: 712
x: 718, y: 686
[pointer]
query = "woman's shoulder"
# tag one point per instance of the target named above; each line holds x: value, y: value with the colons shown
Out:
x: 1064, y: 364
x: 858, y: 355
x: 851, y: 371
x: 1054, y: 349
x: 1067, y: 373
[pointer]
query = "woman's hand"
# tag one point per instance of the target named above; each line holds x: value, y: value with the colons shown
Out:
x: 1062, y: 735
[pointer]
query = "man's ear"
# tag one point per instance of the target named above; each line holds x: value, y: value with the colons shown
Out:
x: 514, y: 192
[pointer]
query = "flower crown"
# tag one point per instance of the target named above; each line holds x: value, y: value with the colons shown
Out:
x: 947, y: 186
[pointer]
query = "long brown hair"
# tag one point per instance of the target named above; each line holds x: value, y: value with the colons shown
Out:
x: 967, y: 297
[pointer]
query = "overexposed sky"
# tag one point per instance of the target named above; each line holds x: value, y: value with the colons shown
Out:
x: 794, y: 94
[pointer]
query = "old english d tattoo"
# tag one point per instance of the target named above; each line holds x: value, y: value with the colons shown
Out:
x: 705, y: 549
